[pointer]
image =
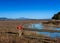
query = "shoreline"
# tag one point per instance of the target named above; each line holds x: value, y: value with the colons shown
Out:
x: 52, y: 25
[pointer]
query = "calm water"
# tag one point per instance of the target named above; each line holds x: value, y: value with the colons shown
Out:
x: 41, y: 26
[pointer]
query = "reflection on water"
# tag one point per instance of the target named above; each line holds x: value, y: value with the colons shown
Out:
x: 57, y: 28
x: 53, y: 35
x: 41, y: 26
x: 38, y: 26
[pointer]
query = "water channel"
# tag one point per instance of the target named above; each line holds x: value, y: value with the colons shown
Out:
x: 51, y: 34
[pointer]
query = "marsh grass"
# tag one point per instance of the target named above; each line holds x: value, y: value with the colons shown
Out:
x: 9, y: 33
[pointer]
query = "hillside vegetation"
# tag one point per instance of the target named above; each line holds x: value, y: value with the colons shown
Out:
x: 56, y: 16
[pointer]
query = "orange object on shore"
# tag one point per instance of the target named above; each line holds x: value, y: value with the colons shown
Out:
x: 20, y: 27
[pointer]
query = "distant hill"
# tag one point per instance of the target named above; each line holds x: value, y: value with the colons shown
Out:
x: 22, y: 18
x: 3, y: 18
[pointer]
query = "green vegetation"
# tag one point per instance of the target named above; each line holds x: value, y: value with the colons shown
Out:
x: 56, y: 16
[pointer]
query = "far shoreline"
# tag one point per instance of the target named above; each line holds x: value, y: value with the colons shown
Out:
x: 54, y: 23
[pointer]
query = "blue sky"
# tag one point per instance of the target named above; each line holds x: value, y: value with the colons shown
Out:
x: 38, y: 9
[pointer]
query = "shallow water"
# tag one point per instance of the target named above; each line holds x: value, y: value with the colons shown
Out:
x: 41, y: 26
